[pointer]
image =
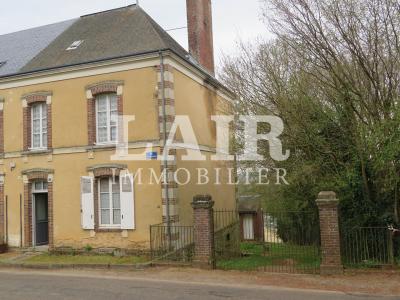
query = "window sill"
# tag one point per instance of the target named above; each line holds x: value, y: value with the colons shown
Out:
x: 105, y: 146
x: 37, y: 151
x: 109, y: 230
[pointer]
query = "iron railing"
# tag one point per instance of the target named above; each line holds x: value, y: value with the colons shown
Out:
x: 171, y: 243
x: 367, y: 247
x: 226, y: 234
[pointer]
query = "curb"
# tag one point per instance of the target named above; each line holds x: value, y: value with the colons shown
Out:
x: 135, y: 267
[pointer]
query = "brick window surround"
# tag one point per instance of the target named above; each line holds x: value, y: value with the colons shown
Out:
x: 94, y: 90
x: 99, y: 171
x: 29, y: 176
x: 27, y: 101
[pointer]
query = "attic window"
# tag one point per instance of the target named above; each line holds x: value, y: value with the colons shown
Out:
x: 75, y: 45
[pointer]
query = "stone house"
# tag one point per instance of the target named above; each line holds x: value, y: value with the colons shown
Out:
x: 62, y: 89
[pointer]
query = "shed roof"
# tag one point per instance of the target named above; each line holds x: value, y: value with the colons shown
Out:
x: 249, y: 203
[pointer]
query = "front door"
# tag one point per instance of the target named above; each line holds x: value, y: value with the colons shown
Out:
x: 248, y: 228
x: 41, y: 219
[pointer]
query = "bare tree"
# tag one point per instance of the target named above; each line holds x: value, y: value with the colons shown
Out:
x: 333, y: 75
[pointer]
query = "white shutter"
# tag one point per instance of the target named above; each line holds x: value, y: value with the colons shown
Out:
x: 127, y: 202
x: 87, y: 203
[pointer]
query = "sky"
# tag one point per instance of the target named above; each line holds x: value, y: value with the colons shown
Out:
x: 233, y: 19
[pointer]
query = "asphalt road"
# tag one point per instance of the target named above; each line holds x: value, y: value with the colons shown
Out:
x: 45, y: 285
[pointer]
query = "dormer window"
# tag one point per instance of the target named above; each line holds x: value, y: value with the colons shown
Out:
x: 74, y: 45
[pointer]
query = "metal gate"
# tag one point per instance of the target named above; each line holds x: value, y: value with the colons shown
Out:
x: 291, y: 245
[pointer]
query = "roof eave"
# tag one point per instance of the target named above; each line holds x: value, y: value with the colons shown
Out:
x: 207, y: 77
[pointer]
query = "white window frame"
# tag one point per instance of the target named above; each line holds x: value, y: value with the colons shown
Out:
x: 43, y: 129
x: 108, y: 111
x: 110, y: 201
x: 41, y: 189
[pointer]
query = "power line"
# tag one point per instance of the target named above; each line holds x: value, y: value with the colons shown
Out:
x: 177, y: 28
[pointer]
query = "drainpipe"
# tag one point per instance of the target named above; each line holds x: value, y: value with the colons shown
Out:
x: 20, y: 221
x: 165, y: 137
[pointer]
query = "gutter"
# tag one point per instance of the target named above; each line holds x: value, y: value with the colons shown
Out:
x: 208, y: 78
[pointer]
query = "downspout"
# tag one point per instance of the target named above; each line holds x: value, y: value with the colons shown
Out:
x: 165, y: 137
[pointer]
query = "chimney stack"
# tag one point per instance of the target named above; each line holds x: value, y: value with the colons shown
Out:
x: 199, y: 15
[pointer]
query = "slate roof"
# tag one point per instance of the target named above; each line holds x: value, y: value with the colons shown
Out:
x: 17, y: 49
x: 126, y: 31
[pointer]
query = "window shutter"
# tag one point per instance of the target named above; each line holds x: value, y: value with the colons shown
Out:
x: 127, y: 202
x: 87, y: 203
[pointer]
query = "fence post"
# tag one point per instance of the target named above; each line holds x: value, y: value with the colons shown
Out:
x: 203, y: 231
x: 330, y: 236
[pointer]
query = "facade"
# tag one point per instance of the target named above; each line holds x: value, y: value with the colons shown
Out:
x: 59, y: 106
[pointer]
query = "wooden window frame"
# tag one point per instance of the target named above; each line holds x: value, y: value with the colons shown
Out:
x: 110, y: 200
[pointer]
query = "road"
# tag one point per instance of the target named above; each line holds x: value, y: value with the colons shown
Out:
x: 34, y: 285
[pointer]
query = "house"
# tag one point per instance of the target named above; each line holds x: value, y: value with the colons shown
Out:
x: 251, y: 218
x: 63, y: 88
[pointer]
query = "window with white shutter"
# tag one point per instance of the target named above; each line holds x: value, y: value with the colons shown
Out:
x: 109, y: 202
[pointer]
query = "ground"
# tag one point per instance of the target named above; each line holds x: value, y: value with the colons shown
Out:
x: 372, y: 282
x: 154, y: 284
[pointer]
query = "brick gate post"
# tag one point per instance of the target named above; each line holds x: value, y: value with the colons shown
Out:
x: 203, y: 231
x: 330, y: 236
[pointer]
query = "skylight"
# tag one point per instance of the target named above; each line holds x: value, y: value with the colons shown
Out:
x: 75, y: 45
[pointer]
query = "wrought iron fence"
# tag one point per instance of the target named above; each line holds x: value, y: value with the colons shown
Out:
x: 367, y: 247
x: 171, y: 243
x: 292, y: 242
x: 226, y: 234
x: 292, y: 245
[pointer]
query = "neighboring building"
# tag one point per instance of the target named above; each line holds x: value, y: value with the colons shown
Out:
x: 62, y: 87
x: 251, y: 218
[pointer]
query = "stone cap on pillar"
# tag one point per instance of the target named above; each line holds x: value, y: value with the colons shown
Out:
x: 327, y: 198
x: 202, y: 201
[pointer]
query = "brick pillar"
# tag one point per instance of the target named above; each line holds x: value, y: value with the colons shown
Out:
x: 330, y: 236
x: 203, y: 231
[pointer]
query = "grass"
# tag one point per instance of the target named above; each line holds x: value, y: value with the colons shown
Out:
x: 273, y: 256
x: 84, y: 259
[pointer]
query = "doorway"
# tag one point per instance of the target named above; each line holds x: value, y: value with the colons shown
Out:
x: 248, y: 228
x: 40, y: 213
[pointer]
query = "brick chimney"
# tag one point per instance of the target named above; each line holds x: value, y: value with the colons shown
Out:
x: 199, y: 15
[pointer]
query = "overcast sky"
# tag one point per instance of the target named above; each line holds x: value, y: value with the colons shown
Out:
x: 233, y: 19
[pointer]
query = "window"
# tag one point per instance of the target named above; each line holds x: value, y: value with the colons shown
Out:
x: 106, y: 118
x: 110, y: 205
x: 39, y: 187
x: 39, y: 125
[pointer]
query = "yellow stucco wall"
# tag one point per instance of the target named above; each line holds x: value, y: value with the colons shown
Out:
x: 69, y: 122
x: 70, y: 111
x: 200, y: 103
